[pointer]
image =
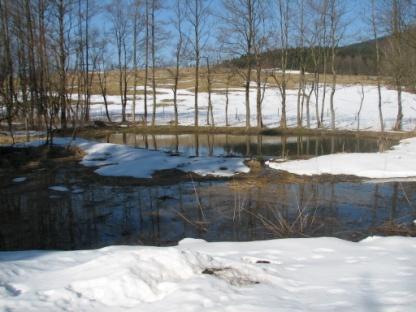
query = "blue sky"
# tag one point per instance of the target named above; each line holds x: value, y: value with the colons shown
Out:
x: 358, y: 11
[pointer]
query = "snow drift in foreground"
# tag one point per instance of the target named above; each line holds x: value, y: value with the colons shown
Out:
x: 311, y: 274
x: 121, y: 160
x: 400, y: 162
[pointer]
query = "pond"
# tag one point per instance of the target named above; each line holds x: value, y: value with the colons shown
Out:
x: 91, y: 211
x: 250, y: 145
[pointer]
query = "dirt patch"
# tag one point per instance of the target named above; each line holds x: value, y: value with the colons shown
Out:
x: 324, y: 178
x: 12, y: 158
x: 33, y: 164
x: 393, y: 228
x: 231, y: 275
x: 139, y: 128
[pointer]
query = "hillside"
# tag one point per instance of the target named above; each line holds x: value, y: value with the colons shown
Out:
x: 353, y: 59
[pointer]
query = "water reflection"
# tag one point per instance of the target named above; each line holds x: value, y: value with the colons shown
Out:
x: 99, y: 212
x: 255, y: 145
x: 95, y: 214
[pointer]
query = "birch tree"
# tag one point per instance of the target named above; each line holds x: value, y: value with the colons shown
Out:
x: 281, y: 78
x: 395, y: 59
x: 374, y: 28
x: 180, y: 48
x: 136, y: 16
x: 336, y: 13
x: 242, y: 36
x: 197, y: 16
x: 117, y: 12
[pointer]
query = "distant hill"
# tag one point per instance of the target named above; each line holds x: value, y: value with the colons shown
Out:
x: 353, y: 59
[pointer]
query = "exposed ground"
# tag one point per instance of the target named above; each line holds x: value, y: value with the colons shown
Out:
x: 220, y: 78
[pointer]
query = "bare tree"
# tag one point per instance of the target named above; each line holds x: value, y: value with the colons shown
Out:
x: 325, y: 48
x: 228, y: 77
x: 118, y: 13
x: 146, y: 59
x: 378, y: 73
x: 61, y: 9
x: 102, y: 74
x: 45, y: 93
x: 319, y: 53
x: 260, y: 44
x: 8, y: 87
x: 136, y: 15
x: 362, y: 96
x: 180, y: 48
x: 32, y: 82
x: 197, y: 15
x: 302, y: 64
x: 21, y: 48
x: 243, y: 34
x: 153, y: 52
x: 336, y: 30
x: 281, y: 77
x: 395, y: 56
x: 210, y: 113
x: 87, y: 60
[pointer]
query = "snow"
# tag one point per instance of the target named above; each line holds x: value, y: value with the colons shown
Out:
x: 287, y: 71
x: 59, y: 188
x: 19, y: 179
x: 121, y: 160
x: 347, y: 103
x: 314, y: 274
x: 77, y: 190
x: 398, y: 163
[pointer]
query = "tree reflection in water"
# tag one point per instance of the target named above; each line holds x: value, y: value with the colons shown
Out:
x: 162, y: 215
x: 104, y: 212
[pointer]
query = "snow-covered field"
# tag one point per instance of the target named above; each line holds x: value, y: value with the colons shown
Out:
x: 125, y: 161
x: 347, y: 104
x: 316, y: 274
x: 400, y: 162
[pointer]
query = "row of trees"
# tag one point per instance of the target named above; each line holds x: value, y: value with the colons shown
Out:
x: 51, y: 51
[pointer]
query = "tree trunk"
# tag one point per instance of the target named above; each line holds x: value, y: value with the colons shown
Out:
x: 62, y: 63
x: 153, y: 64
x: 133, y: 110
x: 259, y: 98
x: 146, y: 64
x: 399, y: 118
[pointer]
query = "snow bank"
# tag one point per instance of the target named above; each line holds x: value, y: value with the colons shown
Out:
x: 122, y: 160
x: 317, y: 274
x: 398, y: 163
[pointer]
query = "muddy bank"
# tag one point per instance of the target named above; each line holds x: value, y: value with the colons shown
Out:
x: 103, y: 128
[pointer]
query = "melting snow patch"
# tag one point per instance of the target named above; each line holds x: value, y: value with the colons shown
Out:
x: 122, y: 160
x: 19, y: 179
x: 395, y: 164
x: 77, y: 190
x: 59, y: 188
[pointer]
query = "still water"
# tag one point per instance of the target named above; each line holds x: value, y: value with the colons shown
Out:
x: 250, y: 145
x: 97, y: 212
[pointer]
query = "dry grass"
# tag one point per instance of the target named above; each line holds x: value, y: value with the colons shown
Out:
x: 7, y: 139
x: 95, y: 131
x: 220, y: 76
x: 391, y: 228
